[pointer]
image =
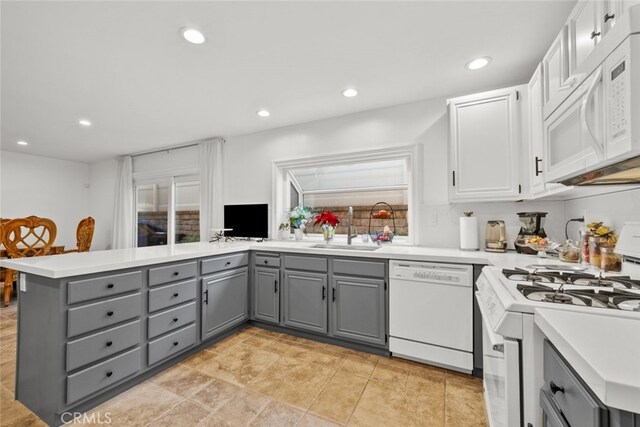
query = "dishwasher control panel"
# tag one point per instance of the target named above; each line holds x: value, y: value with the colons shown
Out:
x: 452, y: 274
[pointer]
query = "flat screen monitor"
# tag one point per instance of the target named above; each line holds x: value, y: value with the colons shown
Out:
x: 249, y: 221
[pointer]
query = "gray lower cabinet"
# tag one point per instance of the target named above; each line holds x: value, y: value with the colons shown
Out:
x: 266, y: 294
x: 224, y: 301
x: 305, y: 300
x: 358, y: 309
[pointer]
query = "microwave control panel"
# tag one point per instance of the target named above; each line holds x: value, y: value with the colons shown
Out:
x: 617, y: 100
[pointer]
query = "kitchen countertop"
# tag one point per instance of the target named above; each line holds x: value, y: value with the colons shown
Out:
x: 603, y: 349
x: 74, y: 264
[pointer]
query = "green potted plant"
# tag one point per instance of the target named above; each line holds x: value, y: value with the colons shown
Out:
x: 298, y: 219
x: 283, y: 231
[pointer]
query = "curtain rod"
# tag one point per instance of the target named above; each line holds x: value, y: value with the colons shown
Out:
x: 171, y: 148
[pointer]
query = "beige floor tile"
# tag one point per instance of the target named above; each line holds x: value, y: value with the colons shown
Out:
x: 198, y: 358
x: 7, y: 326
x: 310, y: 420
x: 277, y: 414
x: 293, y: 382
x: 427, y: 371
x: 30, y: 420
x: 464, y: 404
x: 8, y: 374
x: 216, y: 394
x: 186, y: 414
x: 8, y: 347
x: 358, y: 366
x: 270, y: 333
x: 11, y: 411
x: 340, y: 397
x: 427, y: 385
x: 393, y: 374
x: 310, y: 354
x: 244, y: 407
x: 381, y: 403
x: 239, y: 366
x: 182, y: 380
x: 138, y: 406
x: 215, y: 420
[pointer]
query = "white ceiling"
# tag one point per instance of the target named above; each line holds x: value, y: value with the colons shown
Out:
x: 124, y: 66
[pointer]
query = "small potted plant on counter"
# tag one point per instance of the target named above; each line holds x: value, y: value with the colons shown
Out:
x: 283, y: 230
x: 329, y: 223
x: 298, y: 219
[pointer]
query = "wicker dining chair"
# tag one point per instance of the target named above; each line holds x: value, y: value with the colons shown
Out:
x: 26, y: 237
x: 84, y: 235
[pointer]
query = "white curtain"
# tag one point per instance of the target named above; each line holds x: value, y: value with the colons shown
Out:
x: 211, y: 205
x: 123, y: 207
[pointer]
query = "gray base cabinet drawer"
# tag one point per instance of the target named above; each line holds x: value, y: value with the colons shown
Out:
x: 575, y: 401
x: 359, y: 268
x: 305, y: 263
x: 168, y: 296
x: 91, y: 380
x: 172, y: 344
x: 103, y: 344
x: 102, y: 314
x: 267, y: 261
x: 99, y: 287
x: 172, y: 319
x: 229, y: 262
x: 171, y: 273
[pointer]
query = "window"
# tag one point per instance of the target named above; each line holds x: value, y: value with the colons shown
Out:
x: 359, y: 180
x: 168, y: 211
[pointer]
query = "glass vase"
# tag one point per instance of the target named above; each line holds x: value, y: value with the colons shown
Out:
x: 328, y: 232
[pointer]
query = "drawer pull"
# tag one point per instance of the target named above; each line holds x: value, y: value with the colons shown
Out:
x: 109, y: 373
x: 227, y: 263
x: 175, y: 295
x: 175, y: 343
x: 110, y: 286
x: 175, y: 319
x: 555, y: 388
x: 266, y: 261
x: 109, y: 313
x: 109, y: 343
x: 175, y: 273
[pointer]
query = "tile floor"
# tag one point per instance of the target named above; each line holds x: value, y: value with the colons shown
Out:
x: 263, y: 378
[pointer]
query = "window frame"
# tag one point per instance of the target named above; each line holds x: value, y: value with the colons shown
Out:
x: 412, y: 154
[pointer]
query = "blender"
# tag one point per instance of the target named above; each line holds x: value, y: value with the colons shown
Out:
x: 532, y: 225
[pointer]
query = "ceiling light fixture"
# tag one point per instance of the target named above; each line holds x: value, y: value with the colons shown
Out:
x: 476, y: 64
x: 192, y: 35
x: 349, y: 93
x: 263, y: 113
x: 23, y: 143
x: 84, y: 122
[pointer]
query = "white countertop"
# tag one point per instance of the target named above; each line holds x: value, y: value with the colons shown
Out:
x: 74, y: 264
x: 603, y: 349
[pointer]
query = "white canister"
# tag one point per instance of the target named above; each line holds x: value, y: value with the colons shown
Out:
x: 469, y: 233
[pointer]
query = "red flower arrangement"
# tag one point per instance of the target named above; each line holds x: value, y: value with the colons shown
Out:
x: 326, y: 217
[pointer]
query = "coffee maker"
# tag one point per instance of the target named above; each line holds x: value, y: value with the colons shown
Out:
x: 532, y: 225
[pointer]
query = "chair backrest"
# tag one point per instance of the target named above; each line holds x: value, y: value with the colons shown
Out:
x: 30, y: 236
x: 84, y: 234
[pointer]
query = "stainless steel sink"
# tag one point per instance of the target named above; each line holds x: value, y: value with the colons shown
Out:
x: 347, y: 247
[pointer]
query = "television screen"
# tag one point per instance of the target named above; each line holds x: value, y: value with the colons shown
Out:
x: 247, y: 220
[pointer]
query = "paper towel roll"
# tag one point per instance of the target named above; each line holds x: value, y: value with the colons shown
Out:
x: 469, y: 233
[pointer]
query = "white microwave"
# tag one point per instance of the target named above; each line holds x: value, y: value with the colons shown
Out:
x: 593, y: 137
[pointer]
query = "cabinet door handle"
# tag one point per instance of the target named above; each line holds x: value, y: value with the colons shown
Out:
x: 454, y: 178
x: 324, y: 293
x: 275, y: 285
x: 175, y: 294
x: 334, y: 294
x: 538, y: 170
x: 607, y: 17
x: 206, y: 296
x: 175, y: 273
x: 109, y: 313
x: 266, y: 261
x: 109, y: 373
x: 227, y: 263
x: 555, y: 388
x: 175, y: 343
x: 595, y: 34
x: 109, y: 343
x: 175, y: 319
x: 110, y: 286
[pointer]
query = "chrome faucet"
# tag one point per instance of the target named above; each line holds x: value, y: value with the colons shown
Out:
x: 350, y: 235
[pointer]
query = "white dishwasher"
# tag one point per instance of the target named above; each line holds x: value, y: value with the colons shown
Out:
x: 431, y: 313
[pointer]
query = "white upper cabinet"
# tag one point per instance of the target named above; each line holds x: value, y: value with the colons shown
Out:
x: 585, y: 31
x: 483, y: 146
x: 536, y: 133
x: 555, y: 72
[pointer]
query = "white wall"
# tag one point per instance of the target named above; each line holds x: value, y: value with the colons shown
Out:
x: 45, y: 187
x: 102, y: 177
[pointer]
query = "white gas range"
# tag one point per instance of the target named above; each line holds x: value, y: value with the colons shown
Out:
x: 512, y: 344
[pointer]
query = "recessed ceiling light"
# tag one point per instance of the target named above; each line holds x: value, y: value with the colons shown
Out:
x: 84, y: 122
x: 263, y: 113
x: 476, y: 64
x: 350, y: 93
x: 192, y: 35
x: 23, y: 143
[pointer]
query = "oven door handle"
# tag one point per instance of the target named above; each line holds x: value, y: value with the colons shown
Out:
x: 496, y: 343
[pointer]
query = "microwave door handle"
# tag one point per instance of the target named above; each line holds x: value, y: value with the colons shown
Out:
x: 599, y: 148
